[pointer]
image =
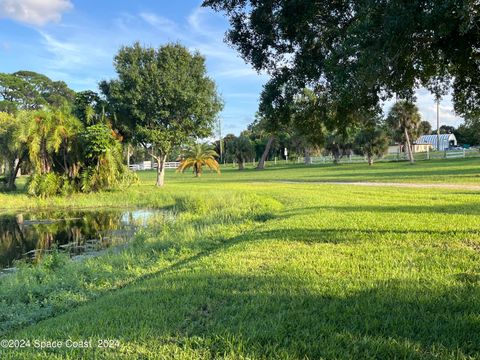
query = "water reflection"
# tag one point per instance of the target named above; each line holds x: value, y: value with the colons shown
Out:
x: 30, y: 236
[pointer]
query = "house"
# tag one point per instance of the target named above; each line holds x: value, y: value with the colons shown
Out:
x: 446, y: 141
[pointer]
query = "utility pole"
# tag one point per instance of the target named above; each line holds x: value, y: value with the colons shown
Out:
x: 220, y: 139
x: 438, y: 123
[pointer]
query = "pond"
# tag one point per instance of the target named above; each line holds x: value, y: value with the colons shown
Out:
x: 31, y: 235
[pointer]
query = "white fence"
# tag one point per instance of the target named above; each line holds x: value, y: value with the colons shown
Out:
x: 171, y: 165
x: 455, y: 154
x: 450, y: 154
x: 147, y: 165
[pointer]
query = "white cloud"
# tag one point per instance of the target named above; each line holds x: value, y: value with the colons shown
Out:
x: 238, y: 72
x: 162, y: 24
x: 34, y: 12
x: 428, y: 109
x: 204, y: 32
x: 69, y: 55
x: 201, y: 19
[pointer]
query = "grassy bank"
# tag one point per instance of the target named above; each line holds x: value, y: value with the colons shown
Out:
x: 257, y: 269
x: 56, y: 284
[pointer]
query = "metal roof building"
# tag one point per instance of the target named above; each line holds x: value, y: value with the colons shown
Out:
x: 446, y: 140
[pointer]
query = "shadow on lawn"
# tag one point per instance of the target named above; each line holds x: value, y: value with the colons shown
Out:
x: 196, y: 305
x: 267, y: 316
x: 471, y: 208
x: 192, y: 306
x: 271, y: 316
x: 393, y: 173
x: 353, y: 235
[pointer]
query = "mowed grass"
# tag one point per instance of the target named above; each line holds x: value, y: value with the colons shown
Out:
x: 453, y: 171
x: 291, y: 271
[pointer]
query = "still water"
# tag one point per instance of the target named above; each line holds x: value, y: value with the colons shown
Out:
x: 31, y: 235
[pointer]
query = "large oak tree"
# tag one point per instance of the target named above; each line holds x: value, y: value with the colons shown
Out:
x: 359, y: 52
x: 162, y: 98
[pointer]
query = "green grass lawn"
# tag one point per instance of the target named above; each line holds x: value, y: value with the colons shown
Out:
x: 254, y: 268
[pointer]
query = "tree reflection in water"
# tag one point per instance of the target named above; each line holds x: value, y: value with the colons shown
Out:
x: 29, y: 236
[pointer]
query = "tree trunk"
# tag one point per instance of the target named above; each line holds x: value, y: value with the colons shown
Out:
x: 370, y: 160
x: 261, y: 162
x: 44, y: 165
x: 12, y: 176
x: 409, y: 146
x: 306, y: 159
x: 336, y: 156
x: 128, y: 156
x: 161, y: 170
x: 241, y: 164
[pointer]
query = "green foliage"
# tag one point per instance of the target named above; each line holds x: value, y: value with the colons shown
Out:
x: 403, y: 124
x: 108, y: 173
x: 97, y: 140
x: 338, y: 145
x: 162, y: 97
x: 88, y: 107
x: 9, y: 127
x: 50, y: 184
x: 12, y: 148
x: 241, y: 149
x: 104, y: 168
x: 66, y: 157
x: 372, y: 143
x: 424, y: 128
x: 29, y: 90
x: 354, y: 53
x: 49, y: 133
x: 197, y: 156
x: 469, y: 132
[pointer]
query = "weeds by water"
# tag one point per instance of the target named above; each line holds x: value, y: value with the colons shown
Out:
x: 192, y: 224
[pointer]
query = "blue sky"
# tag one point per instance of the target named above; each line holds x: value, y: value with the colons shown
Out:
x: 75, y: 41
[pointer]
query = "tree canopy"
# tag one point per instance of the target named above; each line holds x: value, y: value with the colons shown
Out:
x: 356, y: 53
x: 28, y: 90
x: 162, y: 98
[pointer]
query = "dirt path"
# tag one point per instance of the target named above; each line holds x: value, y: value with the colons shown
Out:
x: 393, y: 184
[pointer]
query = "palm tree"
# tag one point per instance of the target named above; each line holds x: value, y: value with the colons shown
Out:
x: 197, y: 156
x: 46, y: 133
x: 404, y: 119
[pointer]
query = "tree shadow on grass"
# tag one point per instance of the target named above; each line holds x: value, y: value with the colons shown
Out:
x: 471, y: 208
x: 350, y: 235
x: 273, y: 316
x: 193, y: 307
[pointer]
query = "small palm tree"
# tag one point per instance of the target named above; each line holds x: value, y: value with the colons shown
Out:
x: 197, y: 156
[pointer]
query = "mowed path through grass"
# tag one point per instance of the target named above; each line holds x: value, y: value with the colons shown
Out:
x: 336, y: 272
